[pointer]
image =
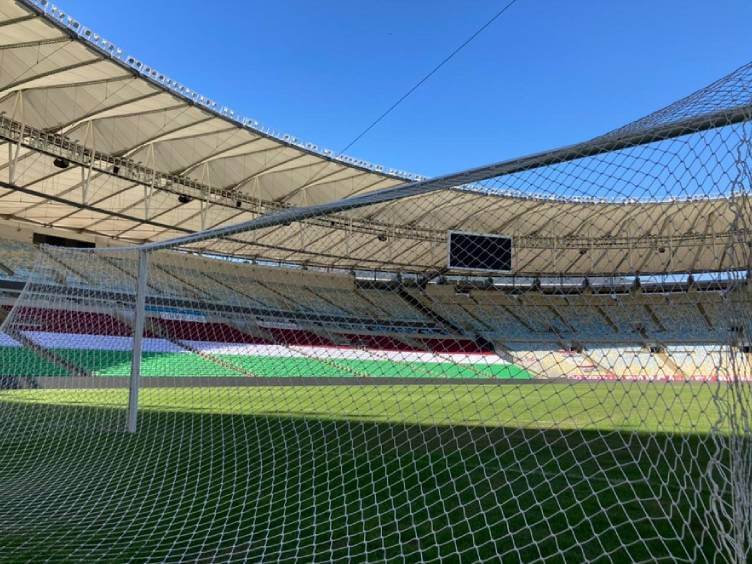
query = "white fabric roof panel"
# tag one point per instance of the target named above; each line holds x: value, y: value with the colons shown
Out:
x: 53, y: 81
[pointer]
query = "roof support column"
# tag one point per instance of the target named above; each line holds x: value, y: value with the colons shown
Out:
x: 206, y: 187
x: 13, y: 152
x: 671, y: 248
x: 86, y: 171
x: 149, y: 188
x: 148, y: 191
x: 204, y: 209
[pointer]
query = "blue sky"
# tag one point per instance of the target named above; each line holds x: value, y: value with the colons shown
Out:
x: 546, y: 73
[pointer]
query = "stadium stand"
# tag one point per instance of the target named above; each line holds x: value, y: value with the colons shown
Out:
x: 315, y: 313
x: 99, y: 343
x: 324, y: 375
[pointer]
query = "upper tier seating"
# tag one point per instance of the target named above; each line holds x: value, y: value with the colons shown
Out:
x: 350, y: 301
x: 632, y: 318
x: 21, y: 260
x: 315, y: 301
x: 587, y: 322
x: 678, y: 318
x: 393, y: 306
x: 482, y: 313
x: 17, y: 257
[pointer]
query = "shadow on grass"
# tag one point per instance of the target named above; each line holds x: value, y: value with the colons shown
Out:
x: 268, y: 488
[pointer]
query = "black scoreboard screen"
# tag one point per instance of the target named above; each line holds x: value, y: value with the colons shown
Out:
x: 474, y: 251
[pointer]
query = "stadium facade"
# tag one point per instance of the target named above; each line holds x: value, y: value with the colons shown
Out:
x: 312, y: 375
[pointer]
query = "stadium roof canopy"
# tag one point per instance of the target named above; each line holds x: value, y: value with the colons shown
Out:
x: 59, y: 77
x: 101, y: 144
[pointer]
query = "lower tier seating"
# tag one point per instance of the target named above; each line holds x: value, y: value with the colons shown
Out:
x: 60, y: 342
x: 299, y: 363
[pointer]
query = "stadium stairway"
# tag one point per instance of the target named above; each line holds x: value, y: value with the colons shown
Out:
x: 338, y: 339
x: 669, y: 364
x: 254, y: 330
x: 503, y: 351
x: 8, y: 381
x: 610, y: 322
x: 6, y: 270
x: 66, y: 265
x: 198, y: 292
x: 156, y: 329
x: 551, y: 364
x: 47, y: 355
x: 429, y: 312
x: 376, y: 309
x: 601, y: 368
x: 413, y: 342
x: 588, y: 364
x: 279, y: 298
x: 420, y: 303
x: 227, y: 287
x: 155, y: 274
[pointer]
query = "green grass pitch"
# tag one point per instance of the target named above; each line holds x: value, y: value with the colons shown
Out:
x: 561, y: 472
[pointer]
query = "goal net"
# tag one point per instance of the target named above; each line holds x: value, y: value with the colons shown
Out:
x: 571, y: 382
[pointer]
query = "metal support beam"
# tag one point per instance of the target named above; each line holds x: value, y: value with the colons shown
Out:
x: 597, y: 146
x: 138, y: 337
x: 149, y: 188
x: 148, y: 193
x: 204, y: 202
x: 13, y: 155
x: 86, y: 171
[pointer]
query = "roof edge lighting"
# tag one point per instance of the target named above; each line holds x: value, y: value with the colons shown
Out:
x: 106, y: 47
